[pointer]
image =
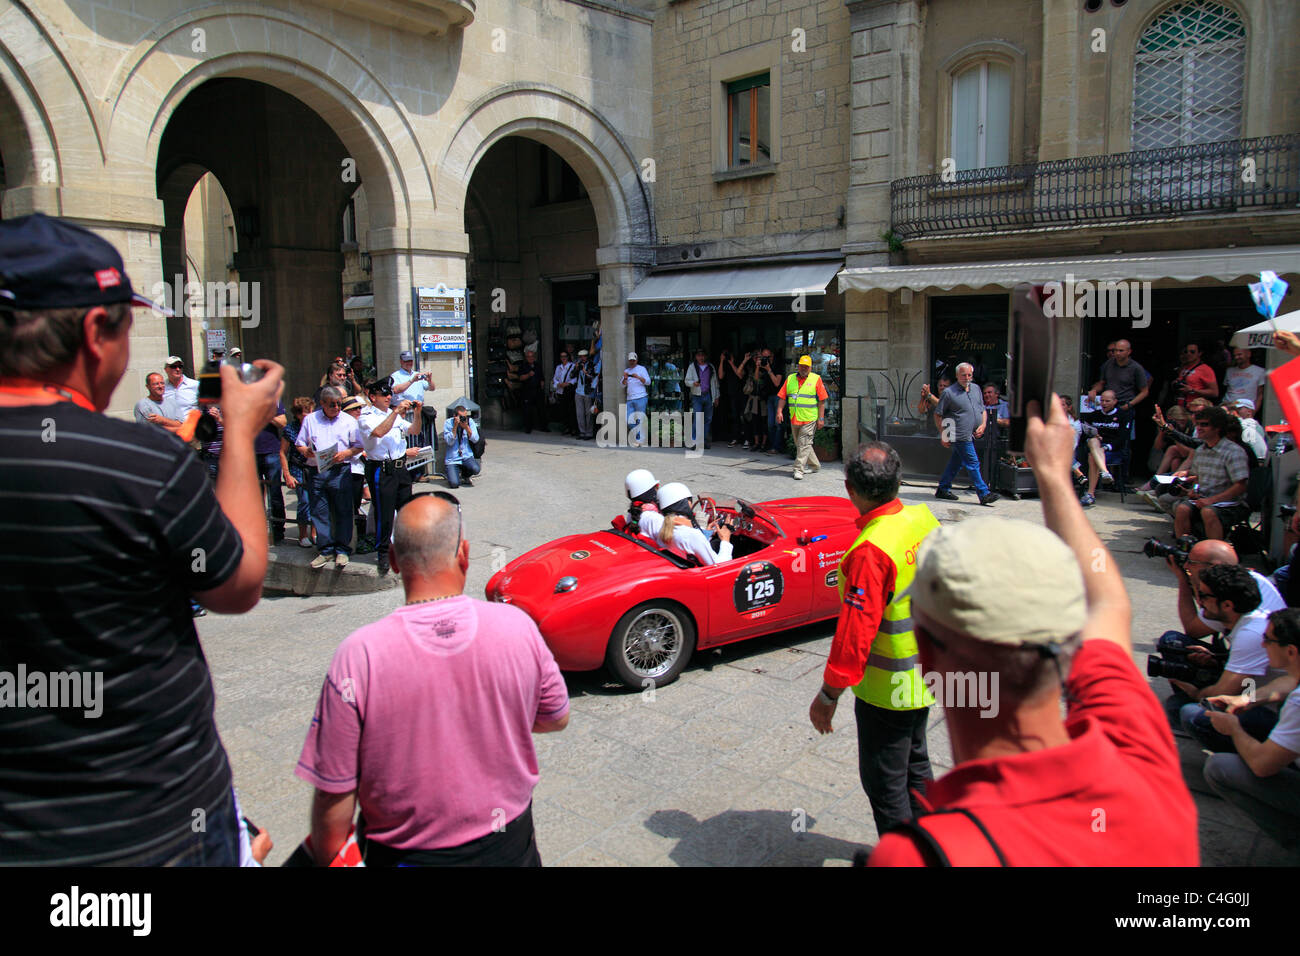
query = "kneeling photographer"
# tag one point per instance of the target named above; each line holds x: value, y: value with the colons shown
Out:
x: 1230, y: 598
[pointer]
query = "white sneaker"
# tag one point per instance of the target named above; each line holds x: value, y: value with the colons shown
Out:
x: 340, y: 560
x: 798, y: 476
x: 320, y: 561
x: 304, y: 542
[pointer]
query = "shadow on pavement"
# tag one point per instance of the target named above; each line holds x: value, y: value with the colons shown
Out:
x: 747, y: 838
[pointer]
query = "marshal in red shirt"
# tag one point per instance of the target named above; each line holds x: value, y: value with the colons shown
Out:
x: 869, y: 568
x: 1113, y: 796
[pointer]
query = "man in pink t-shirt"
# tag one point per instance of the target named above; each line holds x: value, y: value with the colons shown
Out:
x: 426, y: 716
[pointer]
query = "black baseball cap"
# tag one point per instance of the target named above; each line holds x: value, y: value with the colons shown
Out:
x: 48, y: 263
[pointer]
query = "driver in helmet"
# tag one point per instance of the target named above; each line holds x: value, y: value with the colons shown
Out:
x: 642, y: 496
x: 688, y: 540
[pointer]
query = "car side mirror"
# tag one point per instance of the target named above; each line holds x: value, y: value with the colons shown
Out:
x: 803, y: 538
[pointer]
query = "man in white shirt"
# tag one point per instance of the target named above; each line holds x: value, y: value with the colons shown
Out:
x: 181, y: 393
x: 687, y: 540
x: 1244, y: 380
x: 637, y: 382
x: 562, y: 383
x: 383, y: 436
x: 1229, y: 594
x: 1262, y: 778
x: 1252, y: 432
x: 410, y: 385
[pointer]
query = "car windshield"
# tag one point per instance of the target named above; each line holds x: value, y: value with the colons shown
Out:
x: 746, y: 509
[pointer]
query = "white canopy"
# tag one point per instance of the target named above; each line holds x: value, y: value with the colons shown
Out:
x: 1260, y: 335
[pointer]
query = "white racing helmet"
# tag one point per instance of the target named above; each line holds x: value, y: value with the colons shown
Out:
x: 639, y: 482
x: 672, y: 493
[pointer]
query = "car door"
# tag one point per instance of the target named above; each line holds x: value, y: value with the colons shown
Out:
x: 760, y: 593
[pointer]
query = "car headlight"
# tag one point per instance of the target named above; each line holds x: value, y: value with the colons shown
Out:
x: 566, y: 584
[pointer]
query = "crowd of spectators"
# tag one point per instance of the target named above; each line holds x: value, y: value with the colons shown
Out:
x: 329, y: 494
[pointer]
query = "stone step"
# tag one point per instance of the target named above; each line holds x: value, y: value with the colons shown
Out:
x: 289, y: 571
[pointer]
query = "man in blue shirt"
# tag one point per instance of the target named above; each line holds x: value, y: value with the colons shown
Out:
x: 459, y: 434
x: 410, y: 385
x: 961, y: 419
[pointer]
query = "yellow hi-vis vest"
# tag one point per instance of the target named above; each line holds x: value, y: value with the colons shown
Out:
x: 893, y: 677
x: 803, y: 401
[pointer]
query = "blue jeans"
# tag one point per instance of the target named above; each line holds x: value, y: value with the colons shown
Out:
x: 635, y: 405
x: 775, y: 433
x: 331, y: 510
x: 302, y: 477
x: 470, y: 466
x: 701, y: 403
x: 963, y: 456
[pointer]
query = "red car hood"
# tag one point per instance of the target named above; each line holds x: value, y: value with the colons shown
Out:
x: 529, y: 580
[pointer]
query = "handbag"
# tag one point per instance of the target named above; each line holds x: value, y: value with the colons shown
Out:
x: 749, y: 386
x: 476, y: 447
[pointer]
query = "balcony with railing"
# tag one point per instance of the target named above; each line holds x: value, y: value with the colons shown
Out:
x: 1248, y: 175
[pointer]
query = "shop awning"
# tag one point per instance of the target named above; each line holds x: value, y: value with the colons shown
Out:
x: 359, y: 303
x: 1228, y: 265
x: 743, y: 289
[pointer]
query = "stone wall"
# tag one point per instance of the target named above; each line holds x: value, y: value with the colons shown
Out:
x: 793, y: 205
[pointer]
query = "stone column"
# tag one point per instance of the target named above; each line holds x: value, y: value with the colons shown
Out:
x: 400, y: 265
x: 886, y: 44
x: 296, y: 311
x: 621, y: 268
x: 141, y: 251
x: 886, y: 65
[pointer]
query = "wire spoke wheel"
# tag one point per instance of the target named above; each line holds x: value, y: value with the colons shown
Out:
x: 652, y: 642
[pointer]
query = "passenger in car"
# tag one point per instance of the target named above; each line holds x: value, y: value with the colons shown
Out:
x: 675, y: 517
x: 642, y: 496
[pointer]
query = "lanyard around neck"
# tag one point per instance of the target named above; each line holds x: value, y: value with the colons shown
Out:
x: 32, y: 388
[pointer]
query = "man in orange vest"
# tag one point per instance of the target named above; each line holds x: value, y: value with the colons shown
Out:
x: 807, y: 397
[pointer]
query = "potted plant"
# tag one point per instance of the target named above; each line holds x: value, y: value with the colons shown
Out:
x: 826, y: 444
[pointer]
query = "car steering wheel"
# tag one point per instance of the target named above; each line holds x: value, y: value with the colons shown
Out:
x: 706, y: 511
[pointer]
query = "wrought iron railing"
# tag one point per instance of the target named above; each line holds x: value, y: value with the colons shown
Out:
x: 1246, y: 174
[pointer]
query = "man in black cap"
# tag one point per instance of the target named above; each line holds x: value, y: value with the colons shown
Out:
x: 97, y: 589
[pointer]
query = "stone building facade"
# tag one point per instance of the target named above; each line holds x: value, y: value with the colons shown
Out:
x: 111, y: 112
x: 1000, y: 141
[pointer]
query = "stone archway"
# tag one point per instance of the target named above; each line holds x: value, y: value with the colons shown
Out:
x: 604, y: 162
x: 380, y: 146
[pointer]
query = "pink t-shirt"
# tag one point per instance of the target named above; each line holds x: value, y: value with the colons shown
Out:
x: 428, y: 715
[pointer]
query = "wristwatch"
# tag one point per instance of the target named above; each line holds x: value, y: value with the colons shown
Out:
x: 826, y: 698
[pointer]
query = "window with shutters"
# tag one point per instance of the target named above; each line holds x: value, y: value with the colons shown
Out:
x: 1190, y: 77
x: 749, y: 121
x: 1188, y: 89
x: 981, y: 116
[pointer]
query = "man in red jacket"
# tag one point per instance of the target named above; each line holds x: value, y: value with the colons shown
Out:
x: 1102, y: 787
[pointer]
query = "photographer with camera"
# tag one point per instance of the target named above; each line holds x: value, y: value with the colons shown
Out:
x: 1262, y: 778
x: 459, y: 434
x: 1230, y: 597
x: 124, y: 781
x: 1217, y: 472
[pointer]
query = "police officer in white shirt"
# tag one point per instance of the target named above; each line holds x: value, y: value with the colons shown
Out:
x: 383, y: 435
x: 687, y: 538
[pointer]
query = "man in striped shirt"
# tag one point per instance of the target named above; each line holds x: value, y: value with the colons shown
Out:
x: 98, y: 563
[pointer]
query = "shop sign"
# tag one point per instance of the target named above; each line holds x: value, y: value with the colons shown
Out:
x: 738, y: 305
x: 960, y: 340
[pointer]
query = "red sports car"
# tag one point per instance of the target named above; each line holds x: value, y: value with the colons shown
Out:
x: 609, y: 597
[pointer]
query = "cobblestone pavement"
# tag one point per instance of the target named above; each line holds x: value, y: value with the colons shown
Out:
x: 721, y: 767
